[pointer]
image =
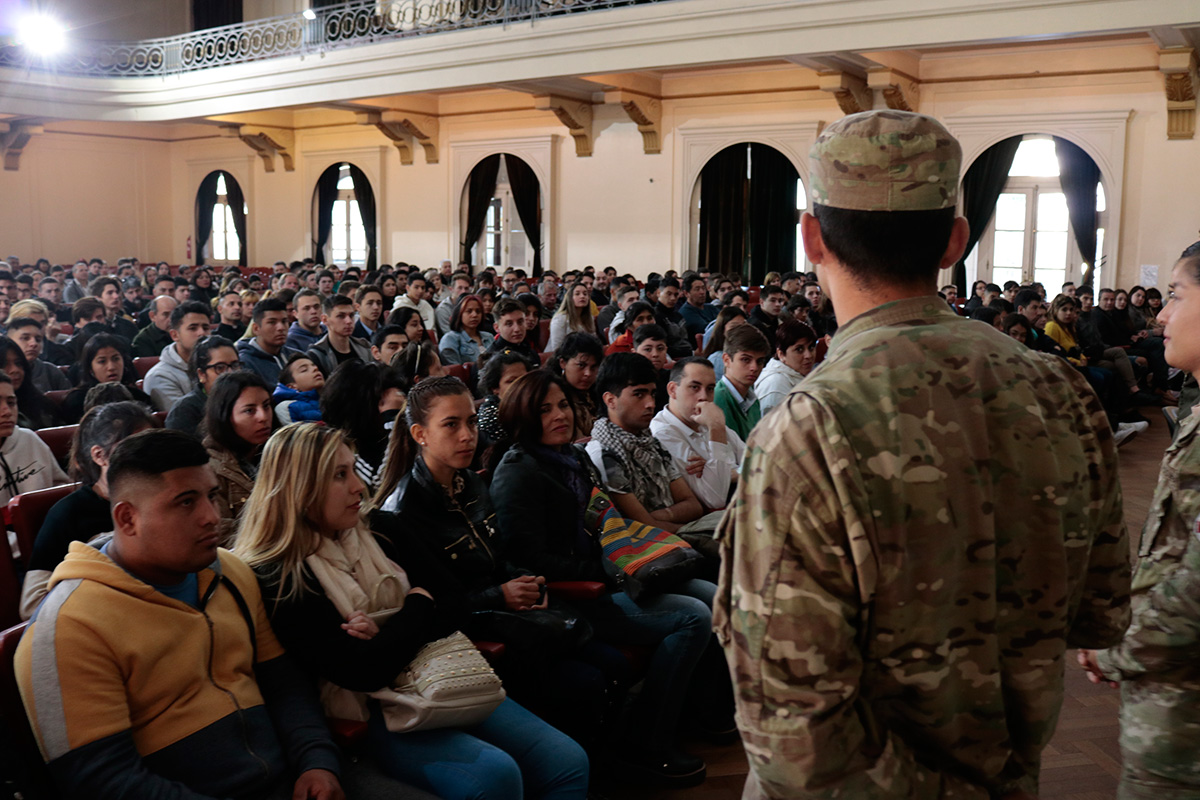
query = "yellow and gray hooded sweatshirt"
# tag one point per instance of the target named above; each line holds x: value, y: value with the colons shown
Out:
x: 134, y: 694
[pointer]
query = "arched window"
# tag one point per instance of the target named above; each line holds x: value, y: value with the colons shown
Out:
x: 502, y: 215
x: 746, y: 208
x: 220, y: 221
x: 1035, y: 233
x: 344, y: 208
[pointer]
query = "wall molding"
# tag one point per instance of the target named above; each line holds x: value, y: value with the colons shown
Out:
x: 536, y: 151
x: 695, y: 145
x: 1101, y: 134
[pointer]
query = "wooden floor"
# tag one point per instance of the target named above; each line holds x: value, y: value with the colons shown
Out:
x: 1083, y: 762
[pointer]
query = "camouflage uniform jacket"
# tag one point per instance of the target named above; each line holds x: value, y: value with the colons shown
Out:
x: 1158, y: 661
x: 921, y: 528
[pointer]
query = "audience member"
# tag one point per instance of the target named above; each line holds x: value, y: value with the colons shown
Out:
x: 414, y: 297
x: 27, y: 333
x: 339, y: 345
x: 767, y: 315
x: 266, y: 353
x: 464, y: 341
x: 696, y: 313
x: 692, y: 429
x: 172, y: 633
x: 574, y: 316
x: 211, y: 358
x: 105, y: 359
x: 623, y: 295
x: 368, y: 306
x: 297, y: 397
x: 625, y: 324
x: 541, y: 488
x: 795, y: 355
x: 84, y: 513
x: 744, y: 355
x: 460, y: 285
x: 679, y: 343
x: 578, y: 362
x: 728, y: 318
x: 497, y: 374
x: 354, y: 401
x: 387, y: 342
x: 510, y: 332
x: 35, y: 410
x: 156, y: 335
x: 321, y: 569
x: 533, y: 319
x: 108, y: 292
x: 26, y: 461
x: 238, y: 419
x: 229, y: 316
x: 651, y: 341
x: 307, y: 330
x: 169, y: 380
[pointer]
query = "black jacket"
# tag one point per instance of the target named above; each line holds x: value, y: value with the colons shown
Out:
x: 459, y: 532
x: 765, y: 323
x: 538, y: 514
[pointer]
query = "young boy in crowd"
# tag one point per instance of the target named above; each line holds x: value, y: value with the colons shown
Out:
x: 651, y: 341
x: 509, y: 314
x: 745, y: 354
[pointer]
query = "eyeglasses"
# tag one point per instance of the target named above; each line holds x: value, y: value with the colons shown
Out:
x: 221, y: 367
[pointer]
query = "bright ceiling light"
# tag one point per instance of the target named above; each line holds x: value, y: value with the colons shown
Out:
x: 308, y: 13
x: 41, y: 34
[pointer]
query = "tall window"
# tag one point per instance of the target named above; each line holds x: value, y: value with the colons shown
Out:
x: 224, y: 244
x: 1030, y: 237
x: 348, y: 239
x: 503, y: 242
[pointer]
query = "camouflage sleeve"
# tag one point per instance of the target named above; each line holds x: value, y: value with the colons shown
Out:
x: 1102, y: 615
x: 1165, y: 633
x: 795, y: 568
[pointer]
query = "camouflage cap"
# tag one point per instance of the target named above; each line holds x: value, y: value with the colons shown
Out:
x: 885, y: 161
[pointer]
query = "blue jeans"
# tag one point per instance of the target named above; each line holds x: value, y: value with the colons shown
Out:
x: 678, y: 626
x: 509, y: 756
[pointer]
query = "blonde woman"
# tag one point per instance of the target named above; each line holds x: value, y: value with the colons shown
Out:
x: 573, y: 316
x: 323, y: 572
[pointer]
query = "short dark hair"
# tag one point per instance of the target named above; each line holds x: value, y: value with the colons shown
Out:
x: 387, y: 330
x: 325, y: 274
x: 505, y: 306
x: 652, y: 331
x: 1025, y: 297
x: 202, y: 354
x: 668, y: 283
x: 96, y: 287
x: 335, y: 300
x: 149, y: 454
x: 682, y: 364
x: 267, y: 305
x: 792, y: 276
x: 791, y: 331
x: 579, y: 344
x: 84, y: 308
x: 622, y: 370
x: 190, y: 307
x: 887, y: 247
x: 746, y: 339
x: 769, y: 290
x: 305, y: 293
x: 222, y: 397
x: 1015, y: 319
x: 1088, y: 290
x: 24, y: 322
x: 635, y: 310
x: 416, y: 276
x: 689, y: 280
x: 366, y: 289
x: 285, y: 374
x: 733, y: 294
x: 493, y: 369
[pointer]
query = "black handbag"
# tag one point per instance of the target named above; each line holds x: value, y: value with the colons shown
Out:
x: 553, y: 630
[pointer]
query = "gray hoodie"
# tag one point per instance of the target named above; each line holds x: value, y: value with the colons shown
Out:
x: 168, y: 380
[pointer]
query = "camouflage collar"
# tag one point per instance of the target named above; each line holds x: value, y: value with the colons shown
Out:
x: 923, y: 310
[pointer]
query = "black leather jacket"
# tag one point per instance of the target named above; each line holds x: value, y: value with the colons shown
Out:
x: 460, y: 531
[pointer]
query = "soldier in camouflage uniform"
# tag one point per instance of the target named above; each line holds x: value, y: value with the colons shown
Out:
x: 924, y: 524
x: 1158, y: 661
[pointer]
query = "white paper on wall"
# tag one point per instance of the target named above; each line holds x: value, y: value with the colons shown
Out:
x: 1149, y: 275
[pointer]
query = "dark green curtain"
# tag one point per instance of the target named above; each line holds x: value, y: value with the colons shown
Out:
x: 326, y: 196
x: 526, y: 193
x: 237, y: 207
x: 215, y: 13
x: 1080, y: 176
x: 981, y: 188
x: 772, y: 217
x: 366, y: 209
x: 481, y: 186
x: 723, y: 212
x: 206, y: 200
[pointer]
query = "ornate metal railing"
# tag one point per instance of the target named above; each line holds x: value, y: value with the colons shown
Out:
x: 345, y: 25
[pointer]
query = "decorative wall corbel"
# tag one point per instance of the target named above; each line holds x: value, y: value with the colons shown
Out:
x: 401, y: 128
x: 575, y: 114
x: 850, y: 91
x: 899, y: 91
x: 14, y: 136
x: 647, y: 113
x: 267, y: 143
x: 1178, y: 65
x: 392, y: 131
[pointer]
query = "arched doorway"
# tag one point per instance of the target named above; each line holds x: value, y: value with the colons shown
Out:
x: 746, y: 207
x: 344, y: 218
x: 1038, y: 212
x: 501, y: 210
x: 220, y: 221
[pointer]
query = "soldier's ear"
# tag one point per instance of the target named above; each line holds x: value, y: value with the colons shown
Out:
x: 814, y: 242
x: 957, y: 244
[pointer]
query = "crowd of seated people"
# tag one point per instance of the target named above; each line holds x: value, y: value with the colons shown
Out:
x: 448, y: 430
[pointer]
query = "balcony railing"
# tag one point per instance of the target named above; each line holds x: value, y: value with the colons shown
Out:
x: 331, y: 27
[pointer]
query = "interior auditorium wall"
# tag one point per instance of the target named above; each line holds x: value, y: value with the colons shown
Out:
x: 97, y: 190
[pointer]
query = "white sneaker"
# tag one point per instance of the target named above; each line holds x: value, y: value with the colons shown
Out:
x: 1137, y: 427
x: 1124, y: 434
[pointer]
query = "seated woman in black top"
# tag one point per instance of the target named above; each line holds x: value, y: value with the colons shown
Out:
x: 105, y: 359
x: 356, y: 400
x: 324, y: 572
x: 83, y: 514
x: 35, y: 410
x: 541, y: 487
x: 577, y: 360
x: 550, y: 666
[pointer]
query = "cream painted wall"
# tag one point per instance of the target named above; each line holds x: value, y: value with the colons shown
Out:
x: 78, y: 194
x: 121, y: 20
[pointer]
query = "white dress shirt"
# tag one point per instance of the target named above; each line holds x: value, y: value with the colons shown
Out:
x: 722, y: 459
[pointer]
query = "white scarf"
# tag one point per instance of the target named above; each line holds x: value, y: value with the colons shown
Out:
x: 356, y: 575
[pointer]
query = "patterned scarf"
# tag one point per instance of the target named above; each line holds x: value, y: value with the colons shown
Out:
x: 641, y: 456
x: 577, y: 480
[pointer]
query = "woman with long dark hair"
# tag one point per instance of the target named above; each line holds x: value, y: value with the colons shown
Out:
x: 577, y: 360
x: 35, y: 410
x: 352, y: 401
x: 105, y: 359
x: 238, y: 420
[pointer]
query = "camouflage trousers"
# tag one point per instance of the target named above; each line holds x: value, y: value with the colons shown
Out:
x: 1160, y: 739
